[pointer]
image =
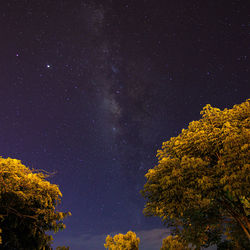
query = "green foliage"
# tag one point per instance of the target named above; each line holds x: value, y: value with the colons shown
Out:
x: 129, y: 241
x: 62, y: 248
x: 27, y: 207
x: 201, y: 184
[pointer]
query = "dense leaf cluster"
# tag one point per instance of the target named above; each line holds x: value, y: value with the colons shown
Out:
x: 127, y: 241
x: 173, y: 243
x: 27, y: 207
x: 201, y: 184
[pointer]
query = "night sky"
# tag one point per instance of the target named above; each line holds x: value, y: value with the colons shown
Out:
x: 91, y: 89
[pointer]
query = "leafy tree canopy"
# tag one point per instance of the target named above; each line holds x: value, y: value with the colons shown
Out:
x: 201, y: 184
x: 129, y: 241
x: 27, y: 207
x: 173, y: 243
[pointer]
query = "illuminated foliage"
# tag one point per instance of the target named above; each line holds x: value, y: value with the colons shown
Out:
x: 129, y: 241
x: 27, y: 207
x: 173, y: 243
x: 201, y: 184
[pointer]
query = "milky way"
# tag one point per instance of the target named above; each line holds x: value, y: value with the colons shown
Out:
x: 91, y: 89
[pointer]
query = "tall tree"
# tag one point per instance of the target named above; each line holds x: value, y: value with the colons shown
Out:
x: 128, y: 241
x: 27, y: 207
x: 201, y: 184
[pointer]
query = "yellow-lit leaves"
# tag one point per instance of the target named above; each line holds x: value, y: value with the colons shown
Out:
x: 204, y: 164
x: 128, y: 241
x: 173, y: 243
x: 26, y: 194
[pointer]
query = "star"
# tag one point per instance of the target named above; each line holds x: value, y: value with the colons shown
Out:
x: 94, y: 98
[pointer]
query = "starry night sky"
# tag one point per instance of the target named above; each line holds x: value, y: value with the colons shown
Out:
x: 91, y: 89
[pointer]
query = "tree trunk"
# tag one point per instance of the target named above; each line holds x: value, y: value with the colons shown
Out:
x: 245, y: 229
x: 239, y: 217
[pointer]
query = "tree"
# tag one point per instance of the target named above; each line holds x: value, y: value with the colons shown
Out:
x: 201, y: 184
x: 27, y: 207
x: 173, y: 243
x: 129, y: 241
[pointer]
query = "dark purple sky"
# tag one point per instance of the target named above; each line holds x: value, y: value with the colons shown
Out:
x: 90, y: 89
